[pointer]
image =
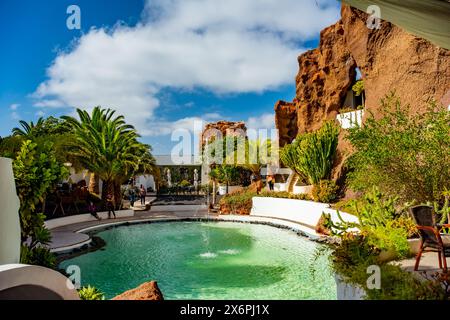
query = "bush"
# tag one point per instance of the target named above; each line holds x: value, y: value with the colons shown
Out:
x: 403, y: 153
x: 40, y: 256
x: 240, y: 202
x: 325, y: 191
x: 185, y: 184
x: 90, y: 293
x: 284, y: 194
x: 355, y: 254
x: 36, y: 171
x: 380, y: 222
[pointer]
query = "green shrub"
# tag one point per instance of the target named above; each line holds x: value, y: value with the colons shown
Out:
x: 90, y: 293
x: 40, y: 256
x: 285, y: 195
x: 379, y: 223
x: 185, y: 183
x: 351, y: 258
x: 240, y: 202
x: 402, y: 152
x: 325, y: 191
x: 36, y: 171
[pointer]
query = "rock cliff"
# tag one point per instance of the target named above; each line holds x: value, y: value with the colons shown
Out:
x: 388, y: 58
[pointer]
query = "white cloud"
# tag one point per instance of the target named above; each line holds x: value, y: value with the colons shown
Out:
x: 14, y: 106
x: 162, y: 128
x: 15, y: 115
x: 40, y: 113
x: 50, y: 103
x: 228, y: 46
x: 265, y: 121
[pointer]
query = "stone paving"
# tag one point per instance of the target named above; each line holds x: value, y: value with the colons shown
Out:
x: 428, y: 262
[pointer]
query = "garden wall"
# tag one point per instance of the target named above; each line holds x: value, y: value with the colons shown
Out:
x: 301, y: 211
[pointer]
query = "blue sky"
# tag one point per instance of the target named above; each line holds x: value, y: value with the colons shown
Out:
x: 163, y: 64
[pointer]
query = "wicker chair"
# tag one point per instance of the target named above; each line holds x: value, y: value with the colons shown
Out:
x: 431, y: 238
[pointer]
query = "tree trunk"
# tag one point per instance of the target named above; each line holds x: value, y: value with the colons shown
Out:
x: 94, y: 184
x: 105, y: 189
x: 117, y: 196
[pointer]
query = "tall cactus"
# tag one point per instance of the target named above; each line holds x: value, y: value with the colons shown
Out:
x: 312, y: 155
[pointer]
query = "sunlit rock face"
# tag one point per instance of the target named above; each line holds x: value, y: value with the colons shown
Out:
x: 392, y: 59
x: 389, y: 59
x: 222, y: 129
x: 146, y: 291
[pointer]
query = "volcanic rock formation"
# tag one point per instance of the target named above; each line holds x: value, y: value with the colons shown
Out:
x: 146, y: 291
x: 388, y: 58
x: 223, y: 128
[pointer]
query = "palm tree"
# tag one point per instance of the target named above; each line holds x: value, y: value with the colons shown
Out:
x: 109, y: 148
x: 28, y: 129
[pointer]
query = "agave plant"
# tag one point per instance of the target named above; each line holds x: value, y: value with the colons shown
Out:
x: 90, y: 293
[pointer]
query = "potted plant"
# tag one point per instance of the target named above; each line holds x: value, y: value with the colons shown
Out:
x: 302, y: 187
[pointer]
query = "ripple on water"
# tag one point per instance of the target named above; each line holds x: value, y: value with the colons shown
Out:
x: 229, y: 251
x: 208, y: 255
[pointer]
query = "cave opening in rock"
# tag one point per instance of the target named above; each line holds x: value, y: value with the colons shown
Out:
x: 354, y: 99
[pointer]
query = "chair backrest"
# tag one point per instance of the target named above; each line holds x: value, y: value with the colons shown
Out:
x: 423, y: 216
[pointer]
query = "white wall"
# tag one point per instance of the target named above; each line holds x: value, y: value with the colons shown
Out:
x: 17, y: 275
x: 9, y: 215
x: 147, y: 181
x: 350, y: 119
x: 302, y: 211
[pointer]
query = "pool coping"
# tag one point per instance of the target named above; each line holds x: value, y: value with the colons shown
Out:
x: 299, y: 228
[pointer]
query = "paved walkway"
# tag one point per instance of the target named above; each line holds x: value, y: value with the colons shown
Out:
x: 428, y: 263
x: 67, y: 236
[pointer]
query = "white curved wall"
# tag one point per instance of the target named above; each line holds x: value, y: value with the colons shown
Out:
x: 306, y: 212
x: 9, y: 215
x: 19, y: 275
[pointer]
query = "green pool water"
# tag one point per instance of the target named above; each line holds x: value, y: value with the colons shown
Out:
x: 213, y: 260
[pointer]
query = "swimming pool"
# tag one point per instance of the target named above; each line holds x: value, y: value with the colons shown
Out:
x: 208, y: 260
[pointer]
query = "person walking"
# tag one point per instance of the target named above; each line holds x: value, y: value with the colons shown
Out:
x: 93, y: 210
x: 142, y: 193
x: 132, y: 196
x: 110, y: 205
x: 270, y: 182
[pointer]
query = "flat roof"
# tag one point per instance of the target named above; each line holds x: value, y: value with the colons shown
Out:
x: 169, y: 160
